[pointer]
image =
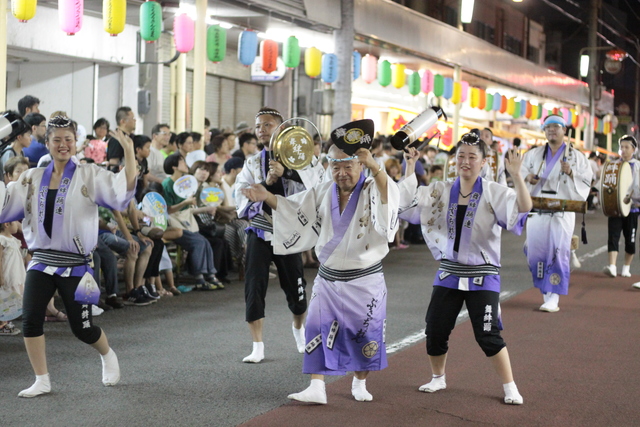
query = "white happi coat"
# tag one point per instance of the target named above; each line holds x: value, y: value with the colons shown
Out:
x: 252, y: 173
x: 303, y: 221
x: 549, y: 236
x: 428, y: 207
x: 90, y: 186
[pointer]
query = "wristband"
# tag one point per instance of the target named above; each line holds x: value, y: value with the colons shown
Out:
x: 377, y: 172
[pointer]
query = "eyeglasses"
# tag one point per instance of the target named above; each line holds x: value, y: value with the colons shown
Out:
x: 162, y: 132
x: 470, y: 139
x: 346, y: 159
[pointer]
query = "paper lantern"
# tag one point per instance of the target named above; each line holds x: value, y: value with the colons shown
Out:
x: 23, y: 10
x: 398, y: 77
x: 503, y: 104
x: 523, y: 107
x: 517, y: 110
x: 438, y: 85
x: 488, y: 101
x: 539, y: 115
x: 247, y: 47
x: 384, y: 73
x: 329, y: 72
x: 448, y: 88
x: 497, y: 102
x: 464, y: 93
x: 426, y: 82
x: 482, y: 100
x: 150, y: 21
x: 511, y: 106
x: 528, y: 110
x: 355, y: 64
x: 70, y: 14
x: 216, y: 43
x: 291, y: 52
x: 581, y: 121
x: 269, y: 55
x: 474, y: 97
x: 369, y: 68
x: 114, y: 14
x: 456, y: 94
x: 312, y: 62
x: 414, y: 83
x: 183, y: 33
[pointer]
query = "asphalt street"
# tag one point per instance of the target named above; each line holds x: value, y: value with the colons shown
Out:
x: 181, y: 358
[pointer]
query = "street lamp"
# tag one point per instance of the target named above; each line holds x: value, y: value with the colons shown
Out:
x: 614, y: 56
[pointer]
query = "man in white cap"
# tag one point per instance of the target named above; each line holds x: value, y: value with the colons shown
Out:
x: 556, y: 171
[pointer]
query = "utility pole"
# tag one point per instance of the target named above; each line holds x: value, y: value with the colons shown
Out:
x: 343, y: 40
x: 592, y: 77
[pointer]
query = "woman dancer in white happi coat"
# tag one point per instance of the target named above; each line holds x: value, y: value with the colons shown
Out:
x: 462, y: 223
x: 59, y: 205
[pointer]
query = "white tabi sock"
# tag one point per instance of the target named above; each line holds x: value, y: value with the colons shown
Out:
x: 41, y: 386
x: 511, y: 394
x: 257, y: 354
x: 315, y: 393
x: 438, y: 382
x: 298, y: 335
x: 110, y: 368
x: 551, y: 303
x: 359, y: 390
x: 626, y: 271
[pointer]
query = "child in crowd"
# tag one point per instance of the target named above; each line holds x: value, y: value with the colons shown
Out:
x: 11, y: 279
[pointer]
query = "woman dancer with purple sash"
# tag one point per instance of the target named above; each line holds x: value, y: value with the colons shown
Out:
x: 350, y: 221
x: 59, y: 205
x: 462, y: 223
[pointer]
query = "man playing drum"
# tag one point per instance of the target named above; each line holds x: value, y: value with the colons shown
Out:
x: 554, y: 171
x: 627, y: 224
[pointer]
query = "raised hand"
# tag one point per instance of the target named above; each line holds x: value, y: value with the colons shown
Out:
x: 513, y: 162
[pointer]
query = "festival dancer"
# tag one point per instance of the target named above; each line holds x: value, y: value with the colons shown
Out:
x: 555, y: 170
x: 262, y: 169
x: 350, y: 221
x: 628, y: 225
x: 462, y: 223
x: 61, y: 238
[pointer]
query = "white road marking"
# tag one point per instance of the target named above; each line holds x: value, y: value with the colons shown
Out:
x: 600, y: 250
x: 418, y: 336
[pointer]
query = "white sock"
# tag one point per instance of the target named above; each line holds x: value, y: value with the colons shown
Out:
x: 546, y: 296
x: 359, y: 390
x: 315, y: 393
x: 257, y: 354
x: 438, y: 382
x: 41, y: 386
x: 298, y: 335
x: 110, y: 368
x: 511, y: 394
x: 626, y: 269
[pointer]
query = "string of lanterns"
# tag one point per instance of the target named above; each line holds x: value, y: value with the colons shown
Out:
x: 317, y: 63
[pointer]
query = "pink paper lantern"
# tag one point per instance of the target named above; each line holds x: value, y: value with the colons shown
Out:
x: 426, y: 82
x: 369, y: 68
x: 70, y: 14
x: 184, y: 30
x: 464, y: 86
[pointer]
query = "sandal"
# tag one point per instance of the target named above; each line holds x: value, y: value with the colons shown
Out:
x: 165, y: 293
x: 58, y: 317
x: 9, y: 330
x: 174, y: 291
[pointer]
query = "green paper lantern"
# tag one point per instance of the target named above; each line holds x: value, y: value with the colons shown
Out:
x: 150, y: 21
x: 489, y: 104
x: 414, y: 83
x: 517, y: 110
x: 291, y: 52
x: 216, y: 43
x: 438, y: 85
x: 384, y: 73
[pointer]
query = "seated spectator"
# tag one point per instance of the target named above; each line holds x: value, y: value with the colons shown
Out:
x: 220, y: 149
x: 200, y: 259
x: 37, y: 148
x: 197, y: 153
x: 248, y: 146
x: 97, y: 147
